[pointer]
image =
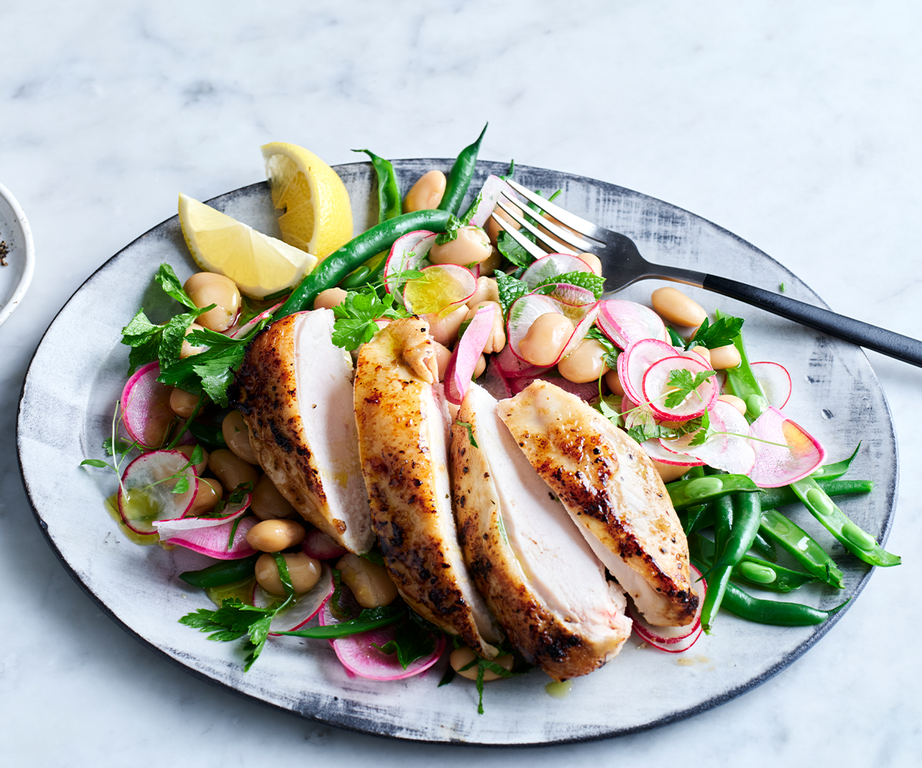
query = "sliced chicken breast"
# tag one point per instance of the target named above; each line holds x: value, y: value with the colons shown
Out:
x: 613, y: 492
x: 529, y: 561
x: 402, y: 425
x: 294, y: 390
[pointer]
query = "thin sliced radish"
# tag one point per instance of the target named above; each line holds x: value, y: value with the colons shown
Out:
x: 442, y: 287
x: 775, y: 382
x: 550, y: 266
x: 636, y: 360
x: 494, y: 189
x: 656, y: 389
x: 526, y: 309
x: 146, y: 492
x: 317, y: 544
x: 146, y: 411
x: 655, y: 450
x: 407, y: 253
x: 798, y: 454
x: 569, y: 295
x: 729, y: 448
x: 168, y: 528
x: 304, y: 608
x: 239, y: 331
x: 359, y: 655
x: 510, y: 366
x: 625, y: 322
x: 467, y: 353
x: 672, y: 639
x: 223, y: 542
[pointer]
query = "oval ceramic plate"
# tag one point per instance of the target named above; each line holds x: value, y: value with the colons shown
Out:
x: 80, y: 367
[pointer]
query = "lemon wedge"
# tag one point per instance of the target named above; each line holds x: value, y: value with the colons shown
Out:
x: 318, y: 215
x: 260, y: 265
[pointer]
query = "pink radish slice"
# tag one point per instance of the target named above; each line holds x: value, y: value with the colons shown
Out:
x: 672, y: 639
x: 317, y: 544
x: 359, y: 655
x: 729, y: 449
x: 223, y: 542
x: 798, y: 455
x: 146, y: 411
x: 467, y: 353
x: 636, y: 360
x: 655, y: 450
x: 509, y: 365
x: 494, y: 189
x: 551, y: 266
x: 569, y: 295
x: 407, y: 253
x: 494, y: 382
x: 239, y: 331
x: 625, y: 322
x: 168, y: 528
x: 305, y: 607
x: 145, y: 495
x: 526, y: 309
x: 656, y: 388
x: 442, y: 288
x: 775, y: 382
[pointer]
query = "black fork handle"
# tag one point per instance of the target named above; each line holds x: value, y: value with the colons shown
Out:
x: 863, y: 334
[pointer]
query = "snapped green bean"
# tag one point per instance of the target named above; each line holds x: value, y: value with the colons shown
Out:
x: 801, y: 546
x: 698, y: 490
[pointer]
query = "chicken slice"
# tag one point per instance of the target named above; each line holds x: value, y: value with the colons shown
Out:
x: 402, y: 425
x: 529, y: 561
x: 612, y: 491
x: 294, y: 390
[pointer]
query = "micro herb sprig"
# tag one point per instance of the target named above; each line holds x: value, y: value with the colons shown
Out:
x: 115, y: 447
x: 355, y: 317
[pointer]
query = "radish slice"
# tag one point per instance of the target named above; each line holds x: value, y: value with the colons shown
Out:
x: 552, y: 265
x: 777, y: 465
x: 146, y: 411
x: 625, y: 322
x: 672, y: 639
x: 655, y: 450
x: 146, y: 495
x: 442, y: 288
x: 407, y: 253
x: 464, y: 359
x: 526, y: 309
x: 494, y: 189
x: 359, y: 655
x: 239, y: 331
x: 494, y: 381
x: 304, y: 608
x: 569, y: 295
x: 227, y: 541
x: 588, y: 391
x: 174, y: 526
x: 775, y: 382
x: 656, y: 387
x: 510, y: 366
x: 636, y: 360
x: 730, y: 449
x: 317, y: 544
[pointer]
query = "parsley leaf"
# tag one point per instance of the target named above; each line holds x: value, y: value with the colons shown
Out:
x: 719, y: 334
x: 470, y: 432
x: 168, y: 280
x: 610, y: 357
x: 355, y: 317
x: 684, y: 383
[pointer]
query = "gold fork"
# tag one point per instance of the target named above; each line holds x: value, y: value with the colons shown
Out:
x: 622, y: 264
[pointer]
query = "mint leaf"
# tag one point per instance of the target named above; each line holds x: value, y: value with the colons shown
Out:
x: 514, y: 253
x: 509, y: 289
x: 588, y: 280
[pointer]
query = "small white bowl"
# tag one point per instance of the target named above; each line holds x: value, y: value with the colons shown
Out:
x: 16, y: 276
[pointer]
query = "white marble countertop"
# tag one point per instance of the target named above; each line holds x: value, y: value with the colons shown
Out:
x: 794, y: 125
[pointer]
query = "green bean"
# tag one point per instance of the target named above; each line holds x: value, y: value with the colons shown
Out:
x: 718, y: 576
x: 753, y: 571
x: 460, y: 175
x: 388, y: 191
x: 801, y: 546
x: 366, y: 273
x: 833, y: 471
x: 855, y: 540
x: 686, y: 493
x: 765, y: 547
x: 358, y: 250
x: 772, y: 498
x: 221, y: 573
x: 783, y: 614
x: 747, y: 516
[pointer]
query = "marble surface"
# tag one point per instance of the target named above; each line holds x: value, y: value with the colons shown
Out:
x: 795, y: 126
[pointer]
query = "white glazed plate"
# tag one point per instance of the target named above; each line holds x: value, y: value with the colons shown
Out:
x: 79, y: 369
x: 16, y: 236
